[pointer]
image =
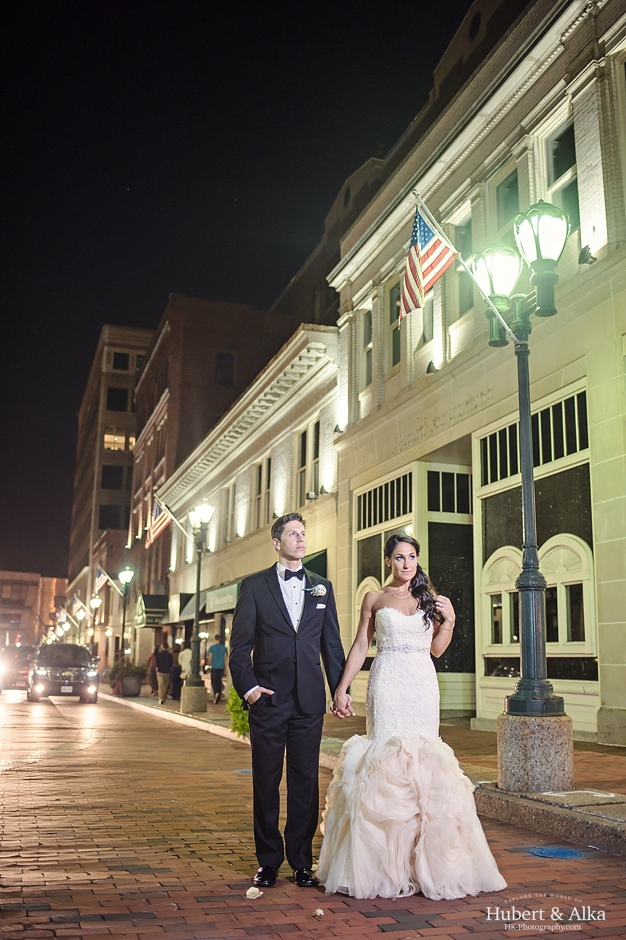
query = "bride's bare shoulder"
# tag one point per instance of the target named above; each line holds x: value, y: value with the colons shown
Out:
x: 372, y: 600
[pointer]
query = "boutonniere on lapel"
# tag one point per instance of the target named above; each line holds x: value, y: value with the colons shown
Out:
x: 318, y: 590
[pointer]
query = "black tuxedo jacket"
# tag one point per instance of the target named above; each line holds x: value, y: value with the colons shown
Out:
x: 282, y: 659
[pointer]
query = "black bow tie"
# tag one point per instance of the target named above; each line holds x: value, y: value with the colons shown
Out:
x: 294, y: 574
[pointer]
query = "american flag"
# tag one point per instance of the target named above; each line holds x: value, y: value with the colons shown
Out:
x: 430, y: 255
x: 159, y: 521
x: 101, y: 579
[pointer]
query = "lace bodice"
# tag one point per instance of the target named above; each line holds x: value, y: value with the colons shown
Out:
x: 402, y: 692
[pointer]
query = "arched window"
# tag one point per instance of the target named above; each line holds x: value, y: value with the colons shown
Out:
x: 566, y: 562
x: 500, y: 602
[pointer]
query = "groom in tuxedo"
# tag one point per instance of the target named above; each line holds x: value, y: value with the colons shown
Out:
x: 286, y: 618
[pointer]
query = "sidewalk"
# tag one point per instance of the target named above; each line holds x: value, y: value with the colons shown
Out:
x: 594, y: 814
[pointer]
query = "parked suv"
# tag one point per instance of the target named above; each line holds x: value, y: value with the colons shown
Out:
x: 63, y: 669
x: 14, y: 661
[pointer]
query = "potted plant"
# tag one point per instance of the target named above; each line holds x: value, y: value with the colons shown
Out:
x: 238, y: 714
x: 126, y: 678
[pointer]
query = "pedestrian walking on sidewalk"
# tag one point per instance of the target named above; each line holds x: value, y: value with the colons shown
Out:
x: 217, y: 663
x: 286, y: 618
x: 176, y: 682
x: 184, y: 659
x: 152, y: 672
x: 164, y: 663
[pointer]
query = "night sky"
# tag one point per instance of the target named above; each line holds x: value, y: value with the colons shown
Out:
x: 162, y: 146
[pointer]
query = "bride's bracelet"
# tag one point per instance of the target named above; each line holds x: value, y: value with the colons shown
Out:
x: 447, y: 629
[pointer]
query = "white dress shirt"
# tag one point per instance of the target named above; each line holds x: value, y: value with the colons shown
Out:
x: 293, y: 596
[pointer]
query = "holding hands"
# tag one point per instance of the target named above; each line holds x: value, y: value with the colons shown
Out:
x: 342, y: 705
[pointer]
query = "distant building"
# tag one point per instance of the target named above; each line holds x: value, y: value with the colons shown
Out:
x: 106, y: 438
x: 271, y: 453
x: 203, y: 356
x: 28, y: 604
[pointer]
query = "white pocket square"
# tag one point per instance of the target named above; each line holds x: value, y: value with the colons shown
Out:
x: 320, y: 607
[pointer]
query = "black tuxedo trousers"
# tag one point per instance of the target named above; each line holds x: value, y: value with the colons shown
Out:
x: 265, y: 650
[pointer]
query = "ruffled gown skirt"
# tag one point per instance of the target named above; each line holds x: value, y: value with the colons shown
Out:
x: 400, y: 816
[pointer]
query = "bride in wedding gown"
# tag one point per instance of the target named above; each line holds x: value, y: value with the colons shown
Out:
x: 400, y: 815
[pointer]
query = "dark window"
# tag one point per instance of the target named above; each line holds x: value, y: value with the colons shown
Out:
x: 552, y: 620
x: 428, y: 320
x: 496, y: 618
x: 121, y: 361
x: 110, y: 517
x: 570, y: 204
x: 369, y: 558
x: 447, y: 492
x: 515, y: 616
x: 139, y: 361
x: 555, y: 430
x: 434, y: 498
x: 507, y: 199
x: 112, y: 477
x: 395, y: 347
x: 225, y: 369
x: 463, y: 493
x: 563, y: 505
x: 450, y: 553
x: 367, y: 327
x: 575, y: 613
x: 385, y: 502
x: 394, y: 303
x: 561, y: 154
x: 559, y: 667
x: 117, y: 399
x: 463, y: 244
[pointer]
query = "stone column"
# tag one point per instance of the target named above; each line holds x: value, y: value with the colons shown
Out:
x: 524, y: 151
x: 600, y: 183
x: 606, y: 403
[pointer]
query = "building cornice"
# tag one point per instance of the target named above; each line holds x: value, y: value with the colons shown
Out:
x: 304, y: 356
x: 431, y: 162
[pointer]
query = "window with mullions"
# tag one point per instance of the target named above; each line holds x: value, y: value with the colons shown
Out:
x: 308, y: 463
x: 367, y: 348
x: 262, y: 503
x: 394, y: 325
x: 507, y: 200
x: 387, y: 501
x: 301, y: 473
x: 463, y: 244
x: 449, y: 492
x: 562, y: 175
x: 557, y: 431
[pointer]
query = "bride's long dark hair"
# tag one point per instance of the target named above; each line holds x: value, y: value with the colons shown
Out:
x: 420, y: 586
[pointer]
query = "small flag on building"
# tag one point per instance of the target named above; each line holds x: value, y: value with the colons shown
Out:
x: 101, y: 579
x: 430, y: 255
x: 159, y: 521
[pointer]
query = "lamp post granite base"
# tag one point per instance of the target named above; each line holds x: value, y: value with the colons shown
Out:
x: 535, y: 753
x: 193, y: 699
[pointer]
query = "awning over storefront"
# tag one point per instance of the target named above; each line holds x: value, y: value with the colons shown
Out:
x: 219, y: 598
x: 150, y: 610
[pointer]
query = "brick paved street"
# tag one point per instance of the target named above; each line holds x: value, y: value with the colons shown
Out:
x: 119, y: 824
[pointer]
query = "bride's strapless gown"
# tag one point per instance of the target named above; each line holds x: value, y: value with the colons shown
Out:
x: 400, y: 815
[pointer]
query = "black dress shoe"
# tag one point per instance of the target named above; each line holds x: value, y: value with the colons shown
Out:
x: 305, y: 878
x: 265, y: 877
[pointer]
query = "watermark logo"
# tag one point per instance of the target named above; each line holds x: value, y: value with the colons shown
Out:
x: 566, y: 915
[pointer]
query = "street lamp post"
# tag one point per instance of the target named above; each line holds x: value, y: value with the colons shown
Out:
x: 194, y: 695
x: 535, y: 736
x: 125, y: 576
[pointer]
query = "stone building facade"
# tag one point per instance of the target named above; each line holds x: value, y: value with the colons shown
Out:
x: 431, y: 406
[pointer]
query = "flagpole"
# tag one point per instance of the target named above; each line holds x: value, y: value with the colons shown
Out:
x: 173, y: 518
x: 435, y: 225
x: 111, y: 581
